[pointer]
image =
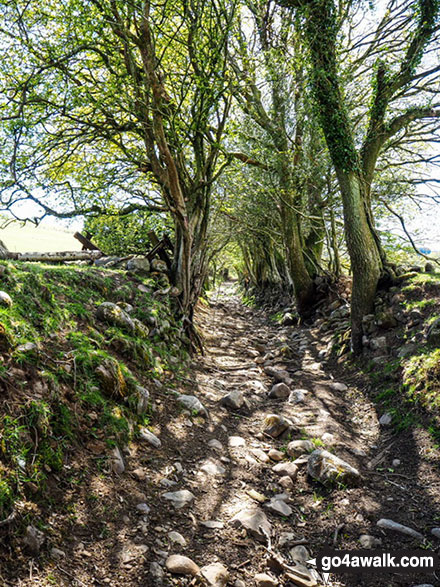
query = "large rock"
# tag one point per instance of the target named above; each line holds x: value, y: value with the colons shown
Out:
x: 5, y: 299
x: 296, y: 448
x: 277, y: 505
x: 379, y: 343
x: 117, y: 461
x: 149, y: 437
x: 386, y: 320
x: 177, y: 537
x: 212, y: 468
x: 275, y: 425
x: 139, y: 265
x: 340, y: 313
x: 289, y: 319
x: 140, y: 329
x: 215, y: 574
x: 193, y: 404
x: 386, y: 419
x: 215, y: 445
x: 156, y: 573
x: 4, y: 252
x: 254, y: 521
x: 280, y: 391
x: 386, y: 524
x: 109, y: 262
x: 297, y: 396
x: 368, y: 323
x: 260, y: 455
x: 179, y: 499
x: 112, y: 379
x: 143, y: 400
x: 280, y: 375
x: 236, y: 442
x: 114, y: 315
x: 407, y: 350
x: 288, y: 469
x: 276, y: 455
x: 178, y: 564
x: 57, y: 553
x: 299, y: 553
x: 33, y: 540
x: 265, y: 580
x: 329, y: 469
x: 436, y: 532
x: 368, y: 541
x: 233, y: 400
x: 415, y: 316
x: 159, y: 265
x: 433, y: 334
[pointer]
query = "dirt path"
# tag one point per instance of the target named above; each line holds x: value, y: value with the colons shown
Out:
x: 340, y: 417
x: 224, y: 465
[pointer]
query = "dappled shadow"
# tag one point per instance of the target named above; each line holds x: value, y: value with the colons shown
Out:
x: 108, y: 541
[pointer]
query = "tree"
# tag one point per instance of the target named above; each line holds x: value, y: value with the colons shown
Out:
x: 116, y: 234
x: 271, y: 91
x: 354, y: 165
x: 118, y: 103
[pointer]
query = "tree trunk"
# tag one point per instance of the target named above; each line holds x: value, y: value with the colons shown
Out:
x: 364, y: 255
x: 321, y: 31
x: 313, y: 246
x: 336, y: 266
x: 302, y: 281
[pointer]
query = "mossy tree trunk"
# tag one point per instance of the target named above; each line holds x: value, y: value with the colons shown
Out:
x: 355, y: 169
x: 364, y: 254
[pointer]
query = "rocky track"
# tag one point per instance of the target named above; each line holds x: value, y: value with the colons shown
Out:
x: 230, y: 495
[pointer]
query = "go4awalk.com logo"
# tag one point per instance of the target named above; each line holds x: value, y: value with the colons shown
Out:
x: 365, y: 562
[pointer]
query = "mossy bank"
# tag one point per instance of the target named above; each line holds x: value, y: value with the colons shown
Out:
x: 75, y: 372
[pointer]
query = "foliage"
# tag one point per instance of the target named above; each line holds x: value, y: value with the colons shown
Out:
x: 117, y: 104
x: 122, y: 235
x: 260, y: 124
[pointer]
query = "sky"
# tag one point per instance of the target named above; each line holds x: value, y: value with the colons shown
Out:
x: 424, y: 225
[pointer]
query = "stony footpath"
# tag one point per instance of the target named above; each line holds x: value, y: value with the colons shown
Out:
x: 285, y: 459
x: 267, y: 453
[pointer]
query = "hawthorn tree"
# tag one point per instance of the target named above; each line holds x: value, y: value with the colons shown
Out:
x: 121, y: 103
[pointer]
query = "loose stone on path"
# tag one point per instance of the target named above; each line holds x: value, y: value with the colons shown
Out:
x: 216, y: 574
x: 254, y: 521
x: 329, y: 469
x: 181, y: 565
x: 179, y: 499
x: 275, y: 425
x: 277, y: 505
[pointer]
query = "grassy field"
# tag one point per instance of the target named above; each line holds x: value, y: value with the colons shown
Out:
x: 30, y: 238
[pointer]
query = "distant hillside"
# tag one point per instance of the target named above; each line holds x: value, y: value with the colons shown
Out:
x: 30, y: 238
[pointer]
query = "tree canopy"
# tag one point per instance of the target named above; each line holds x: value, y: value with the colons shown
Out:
x: 283, y: 127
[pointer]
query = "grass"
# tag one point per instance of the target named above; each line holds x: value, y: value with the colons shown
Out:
x: 318, y: 443
x: 421, y: 377
x: 75, y: 365
x: 420, y: 304
x: 409, y: 387
x: 43, y: 238
x: 421, y: 279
